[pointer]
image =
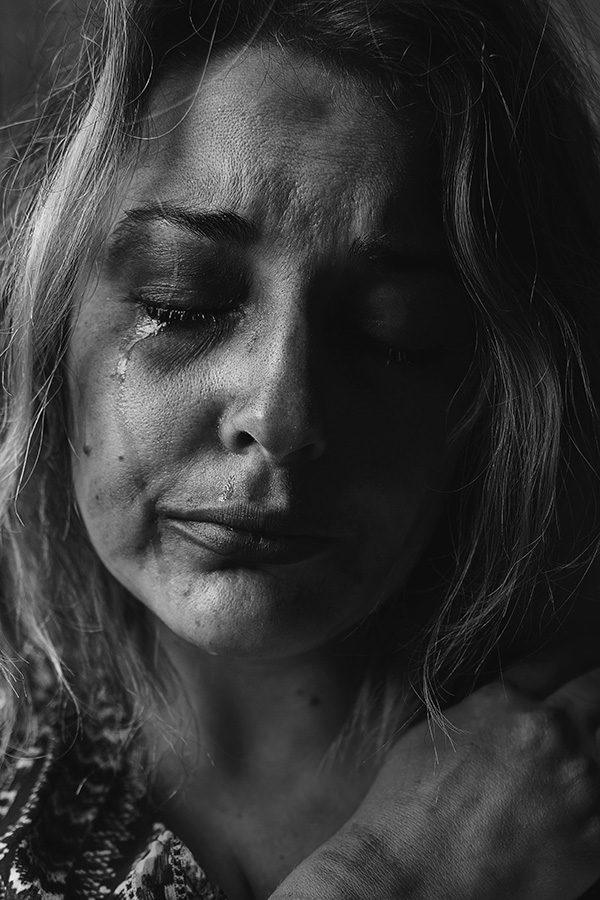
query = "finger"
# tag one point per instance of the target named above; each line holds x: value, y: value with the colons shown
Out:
x: 580, y: 697
x: 547, y: 670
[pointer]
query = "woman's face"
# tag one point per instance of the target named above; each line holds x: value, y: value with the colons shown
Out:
x: 262, y: 368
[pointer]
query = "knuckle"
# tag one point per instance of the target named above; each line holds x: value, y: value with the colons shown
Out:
x: 579, y: 782
x: 546, y: 731
x: 503, y: 693
x: 494, y: 691
x: 575, y: 792
x: 591, y: 833
x: 494, y: 694
x: 491, y: 699
x: 577, y: 772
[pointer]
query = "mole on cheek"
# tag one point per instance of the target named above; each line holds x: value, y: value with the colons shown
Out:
x: 87, y: 450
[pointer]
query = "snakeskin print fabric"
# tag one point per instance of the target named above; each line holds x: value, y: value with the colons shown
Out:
x: 75, y: 824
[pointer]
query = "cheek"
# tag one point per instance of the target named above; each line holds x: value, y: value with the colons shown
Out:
x: 395, y: 478
x: 409, y: 464
x: 403, y: 430
x: 108, y: 479
x: 136, y: 418
x: 108, y: 488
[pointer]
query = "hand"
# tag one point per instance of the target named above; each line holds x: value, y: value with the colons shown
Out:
x: 507, y: 807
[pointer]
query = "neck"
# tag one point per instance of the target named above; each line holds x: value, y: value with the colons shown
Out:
x: 243, y: 714
x: 243, y: 768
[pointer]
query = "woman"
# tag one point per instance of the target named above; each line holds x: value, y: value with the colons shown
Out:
x: 299, y: 445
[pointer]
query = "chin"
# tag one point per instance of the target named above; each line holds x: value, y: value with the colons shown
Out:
x: 248, y: 613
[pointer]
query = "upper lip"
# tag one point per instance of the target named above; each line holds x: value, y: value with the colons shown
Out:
x: 257, y: 520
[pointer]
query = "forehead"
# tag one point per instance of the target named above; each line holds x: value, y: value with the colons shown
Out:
x: 282, y: 140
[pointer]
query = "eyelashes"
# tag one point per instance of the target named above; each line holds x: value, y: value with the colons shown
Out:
x: 214, y: 325
x: 173, y: 316
x: 206, y: 328
x: 415, y: 358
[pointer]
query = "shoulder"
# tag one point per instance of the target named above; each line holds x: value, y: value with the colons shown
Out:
x: 36, y: 743
x: 22, y: 777
x: 70, y: 806
x: 24, y: 785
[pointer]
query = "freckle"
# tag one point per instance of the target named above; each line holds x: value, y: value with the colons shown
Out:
x: 121, y: 458
x: 87, y: 449
x: 97, y: 498
x: 315, y: 701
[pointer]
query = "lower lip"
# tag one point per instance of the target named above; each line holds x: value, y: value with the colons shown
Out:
x: 250, y: 547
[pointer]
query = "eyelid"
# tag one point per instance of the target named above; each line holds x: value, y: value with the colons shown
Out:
x: 197, y: 293
x: 169, y: 315
x: 148, y: 226
x: 154, y: 304
x: 207, y: 328
x: 387, y: 259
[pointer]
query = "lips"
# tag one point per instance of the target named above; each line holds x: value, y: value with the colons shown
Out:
x: 251, y: 536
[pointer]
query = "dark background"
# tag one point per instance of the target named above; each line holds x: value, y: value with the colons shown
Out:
x: 28, y: 25
x: 31, y: 32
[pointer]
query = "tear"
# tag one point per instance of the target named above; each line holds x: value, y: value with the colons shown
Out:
x: 144, y: 329
x: 227, y: 492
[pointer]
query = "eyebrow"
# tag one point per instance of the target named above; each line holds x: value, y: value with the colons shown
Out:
x: 222, y: 225
x: 213, y: 225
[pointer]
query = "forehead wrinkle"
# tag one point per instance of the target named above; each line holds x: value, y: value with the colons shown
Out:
x: 270, y: 188
x: 306, y: 224
x: 335, y: 178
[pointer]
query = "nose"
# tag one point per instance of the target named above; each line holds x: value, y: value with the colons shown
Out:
x: 275, y: 408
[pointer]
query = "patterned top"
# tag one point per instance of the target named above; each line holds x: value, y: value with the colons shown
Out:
x: 75, y: 824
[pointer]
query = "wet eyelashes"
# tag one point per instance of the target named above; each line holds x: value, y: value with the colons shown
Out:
x: 207, y: 327
x: 203, y: 300
x: 414, y: 358
x: 214, y: 325
x: 172, y: 316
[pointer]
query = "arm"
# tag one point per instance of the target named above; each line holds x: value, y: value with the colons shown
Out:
x: 509, y: 808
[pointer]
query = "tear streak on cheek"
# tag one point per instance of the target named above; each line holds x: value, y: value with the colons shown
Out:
x: 228, y: 491
x: 147, y: 328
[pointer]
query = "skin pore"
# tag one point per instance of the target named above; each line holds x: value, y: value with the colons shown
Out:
x: 261, y: 377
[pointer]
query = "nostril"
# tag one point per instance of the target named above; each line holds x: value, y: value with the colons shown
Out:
x: 276, y: 440
x: 307, y: 447
x: 277, y: 414
x: 242, y: 441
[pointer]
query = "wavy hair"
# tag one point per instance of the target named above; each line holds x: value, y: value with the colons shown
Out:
x: 511, y: 91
